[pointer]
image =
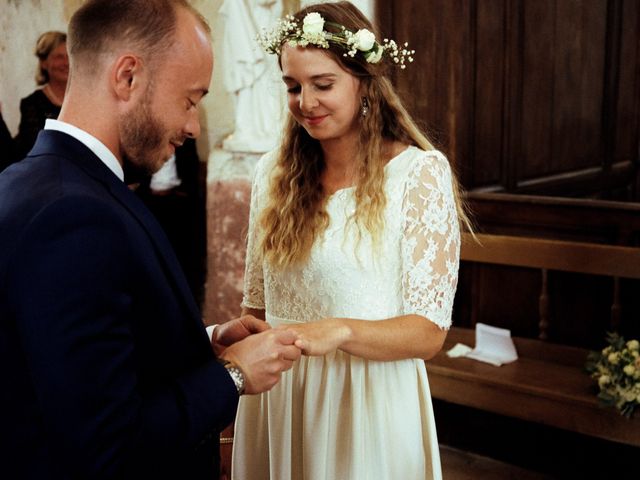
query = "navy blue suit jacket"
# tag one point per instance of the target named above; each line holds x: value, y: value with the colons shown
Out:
x: 106, y: 368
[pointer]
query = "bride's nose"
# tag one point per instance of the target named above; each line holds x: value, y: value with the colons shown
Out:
x: 308, y: 100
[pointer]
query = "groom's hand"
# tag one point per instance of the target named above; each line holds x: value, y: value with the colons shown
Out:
x: 233, y: 331
x: 263, y: 357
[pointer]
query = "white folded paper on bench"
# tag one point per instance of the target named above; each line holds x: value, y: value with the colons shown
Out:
x: 459, y: 350
x: 493, y: 345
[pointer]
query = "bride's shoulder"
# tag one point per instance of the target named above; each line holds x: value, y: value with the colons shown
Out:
x: 265, y: 166
x: 421, y: 161
x: 413, y: 158
x: 428, y: 156
x: 268, y: 160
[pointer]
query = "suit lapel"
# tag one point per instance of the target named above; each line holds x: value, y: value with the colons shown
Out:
x: 52, y: 142
x: 163, y: 247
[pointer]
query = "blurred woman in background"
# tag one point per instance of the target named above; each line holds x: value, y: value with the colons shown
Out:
x: 45, y: 102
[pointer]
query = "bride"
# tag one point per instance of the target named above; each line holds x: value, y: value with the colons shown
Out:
x: 354, y: 244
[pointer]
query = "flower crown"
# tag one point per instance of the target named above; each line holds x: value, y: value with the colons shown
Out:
x: 312, y: 32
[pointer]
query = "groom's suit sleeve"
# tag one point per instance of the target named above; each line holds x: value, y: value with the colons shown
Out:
x: 75, y: 288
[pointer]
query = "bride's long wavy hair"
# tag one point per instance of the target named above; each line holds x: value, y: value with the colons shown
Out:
x: 295, y: 214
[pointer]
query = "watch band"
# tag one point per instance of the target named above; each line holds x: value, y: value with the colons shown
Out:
x: 235, y: 373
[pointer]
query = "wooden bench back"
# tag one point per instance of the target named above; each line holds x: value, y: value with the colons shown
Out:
x: 561, y: 255
x: 556, y: 255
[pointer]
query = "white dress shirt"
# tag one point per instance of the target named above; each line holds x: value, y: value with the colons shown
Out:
x: 167, y: 177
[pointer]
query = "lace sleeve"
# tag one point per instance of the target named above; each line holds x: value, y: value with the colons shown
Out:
x: 253, y: 292
x: 430, y: 241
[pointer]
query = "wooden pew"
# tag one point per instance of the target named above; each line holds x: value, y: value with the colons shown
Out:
x: 547, y: 384
x: 581, y: 219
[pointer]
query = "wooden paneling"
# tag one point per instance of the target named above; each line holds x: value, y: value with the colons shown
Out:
x: 538, y: 97
x: 627, y: 84
x: 578, y: 75
x: 538, y: 62
x: 436, y: 92
x: 488, y: 121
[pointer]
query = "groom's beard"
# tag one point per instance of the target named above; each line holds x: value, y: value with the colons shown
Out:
x: 144, y: 149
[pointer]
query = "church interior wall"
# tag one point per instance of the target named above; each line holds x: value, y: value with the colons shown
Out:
x: 21, y: 23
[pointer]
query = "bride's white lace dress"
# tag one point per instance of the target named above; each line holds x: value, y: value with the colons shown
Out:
x: 340, y: 416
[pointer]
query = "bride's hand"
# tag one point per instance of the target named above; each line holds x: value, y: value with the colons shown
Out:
x: 321, y: 337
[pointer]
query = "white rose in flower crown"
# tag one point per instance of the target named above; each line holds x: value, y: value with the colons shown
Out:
x: 313, y: 23
x: 633, y: 345
x: 364, y: 40
x: 629, y: 369
x: 613, y: 358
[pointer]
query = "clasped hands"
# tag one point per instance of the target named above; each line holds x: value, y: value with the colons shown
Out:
x: 263, y: 353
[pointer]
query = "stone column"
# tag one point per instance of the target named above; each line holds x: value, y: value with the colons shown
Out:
x: 228, y: 197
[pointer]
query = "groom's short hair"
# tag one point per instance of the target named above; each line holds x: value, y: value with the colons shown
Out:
x: 146, y: 27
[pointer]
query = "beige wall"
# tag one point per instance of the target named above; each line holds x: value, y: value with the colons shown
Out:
x: 22, y: 21
x: 217, y: 109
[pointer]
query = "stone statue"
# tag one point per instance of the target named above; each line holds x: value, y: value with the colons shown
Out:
x: 252, y: 75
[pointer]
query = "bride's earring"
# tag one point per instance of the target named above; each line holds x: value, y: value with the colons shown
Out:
x: 364, y: 106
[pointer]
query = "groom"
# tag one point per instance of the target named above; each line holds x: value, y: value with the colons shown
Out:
x: 107, y: 371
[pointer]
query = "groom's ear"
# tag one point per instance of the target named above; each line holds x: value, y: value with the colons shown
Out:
x: 128, y: 77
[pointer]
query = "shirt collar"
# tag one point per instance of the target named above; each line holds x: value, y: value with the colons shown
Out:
x: 91, y: 142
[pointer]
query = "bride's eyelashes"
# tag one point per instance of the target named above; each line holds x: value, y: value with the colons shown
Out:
x: 296, y: 88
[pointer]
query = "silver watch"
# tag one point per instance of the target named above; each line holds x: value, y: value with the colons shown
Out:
x: 236, y: 375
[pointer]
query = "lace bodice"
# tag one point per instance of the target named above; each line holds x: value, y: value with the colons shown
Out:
x: 413, y: 269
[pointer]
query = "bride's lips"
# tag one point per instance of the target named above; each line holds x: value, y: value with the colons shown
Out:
x: 313, y: 121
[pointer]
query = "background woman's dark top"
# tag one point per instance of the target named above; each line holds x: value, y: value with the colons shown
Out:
x: 7, y: 149
x: 34, y: 110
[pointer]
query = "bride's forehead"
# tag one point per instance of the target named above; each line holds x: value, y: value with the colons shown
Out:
x: 308, y: 61
x: 305, y: 55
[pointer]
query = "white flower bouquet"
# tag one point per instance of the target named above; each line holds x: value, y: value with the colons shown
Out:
x: 617, y: 370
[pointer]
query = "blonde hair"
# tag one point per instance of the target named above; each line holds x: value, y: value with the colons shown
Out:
x: 47, y: 43
x: 295, y: 214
